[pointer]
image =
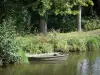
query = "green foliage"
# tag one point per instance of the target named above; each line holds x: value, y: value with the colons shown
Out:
x: 8, y: 47
x: 61, y: 46
x: 54, y: 43
x: 45, y: 5
x: 21, y: 16
x: 35, y: 44
x: 14, y: 16
x: 66, y: 7
x: 62, y: 7
x: 68, y: 24
x: 63, y: 23
x: 85, y: 2
x: 39, y: 48
x: 22, y: 57
x: 46, y: 47
x: 20, y: 11
x: 91, y: 23
x: 77, y: 44
x: 93, y: 44
x: 83, y: 44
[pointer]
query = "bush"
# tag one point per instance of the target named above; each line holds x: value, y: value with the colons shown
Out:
x: 61, y: 46
x: 39, y: 48
x: 91, y: 23
x: 46, y: 47
x: 33, y: 44
x: 8, y: 47
x: 77, y: 44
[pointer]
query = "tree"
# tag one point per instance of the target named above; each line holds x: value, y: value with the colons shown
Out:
x: 53, y: 6
x: 64, y: 7
x: 79, y: 18
x: 44, y: 8
x: 81, y: 3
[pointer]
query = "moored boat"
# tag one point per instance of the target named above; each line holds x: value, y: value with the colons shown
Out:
x: 47, y: 57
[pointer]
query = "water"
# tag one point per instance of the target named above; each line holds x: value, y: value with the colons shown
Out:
x: 76, y: 64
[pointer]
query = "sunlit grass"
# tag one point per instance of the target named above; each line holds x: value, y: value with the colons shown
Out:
x: 78, y: 34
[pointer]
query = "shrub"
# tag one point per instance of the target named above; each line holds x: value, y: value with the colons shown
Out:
x: 8, y: 48
x: 39, y: 48
x: 46, y: 47
x: 38, y: 44
x: 77, y: 44
x: 91, y: 23
x: 61, y: 46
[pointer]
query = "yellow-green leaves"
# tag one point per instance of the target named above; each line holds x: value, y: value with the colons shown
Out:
x: 90, y: 2
x: 62, y: 7
x: 85, y: 2
x: 45, y: 6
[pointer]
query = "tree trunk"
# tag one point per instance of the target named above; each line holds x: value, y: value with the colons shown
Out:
x: 79, y: 18
x: 29, y: 20
x: 29, y: 23
x: 43, y: 26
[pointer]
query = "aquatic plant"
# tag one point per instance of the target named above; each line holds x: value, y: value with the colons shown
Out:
x: 93, y: 44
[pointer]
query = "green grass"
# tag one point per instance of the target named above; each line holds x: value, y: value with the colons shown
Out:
x: 65, y: 42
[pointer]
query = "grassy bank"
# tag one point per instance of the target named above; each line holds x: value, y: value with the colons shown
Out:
x: 64, y: 42
x: 14, y: 50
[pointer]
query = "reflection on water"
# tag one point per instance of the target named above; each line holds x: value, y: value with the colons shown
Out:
x: 89, y: 65
x: 76, y: 64
x: 83, y: 67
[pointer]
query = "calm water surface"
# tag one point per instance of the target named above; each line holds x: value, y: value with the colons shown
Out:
x: 76, y: 64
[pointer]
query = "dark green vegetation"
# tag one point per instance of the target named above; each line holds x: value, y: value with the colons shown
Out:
x: 34, y: 26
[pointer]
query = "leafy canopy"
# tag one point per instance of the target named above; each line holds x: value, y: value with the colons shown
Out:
x: 42, y: 6
x: 62, y: 7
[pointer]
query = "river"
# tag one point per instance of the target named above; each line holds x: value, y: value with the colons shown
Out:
x: 76, y: 64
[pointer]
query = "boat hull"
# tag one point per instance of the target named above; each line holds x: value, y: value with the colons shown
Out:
x: 53, y: 58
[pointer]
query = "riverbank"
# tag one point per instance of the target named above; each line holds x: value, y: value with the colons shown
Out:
x: 61, y: 42
x: 15, y: 50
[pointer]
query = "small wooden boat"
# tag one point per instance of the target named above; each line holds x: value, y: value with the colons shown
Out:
x: 47, y: 57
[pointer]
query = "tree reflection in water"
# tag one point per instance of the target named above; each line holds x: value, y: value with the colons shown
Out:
x: 83, y: 67
x: 87, y: 67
